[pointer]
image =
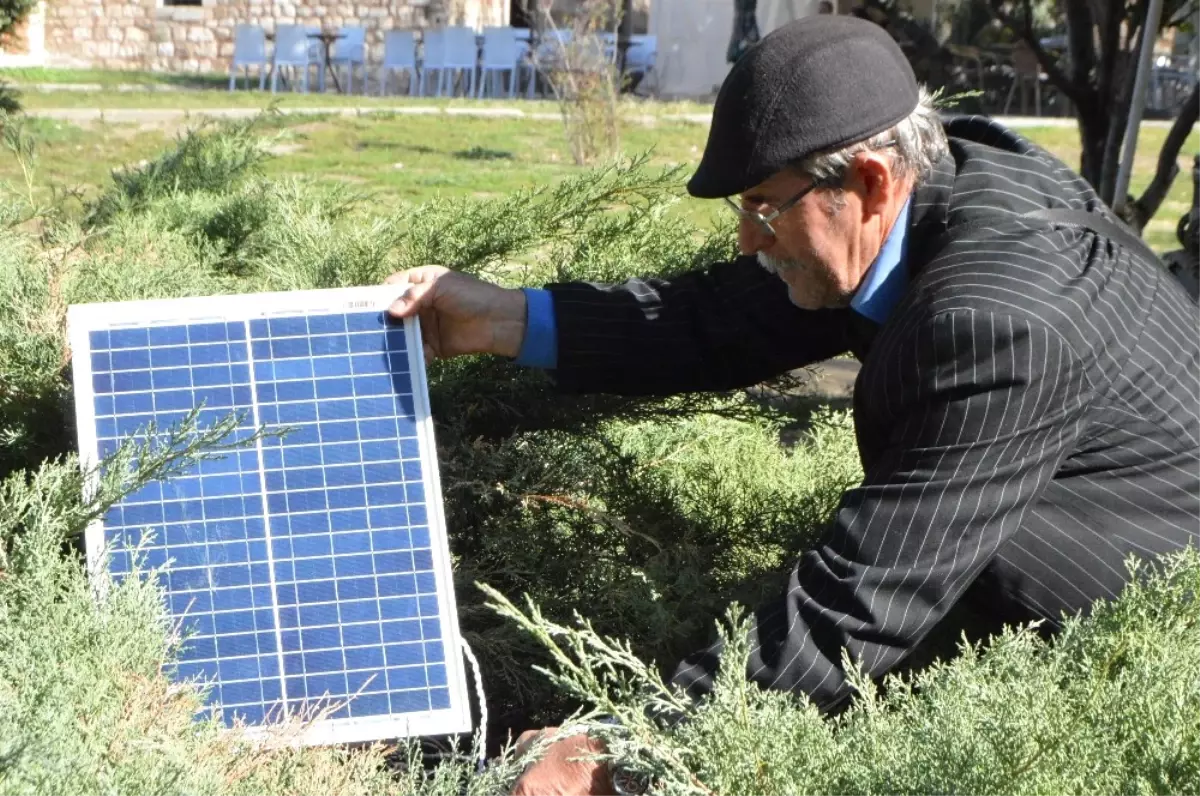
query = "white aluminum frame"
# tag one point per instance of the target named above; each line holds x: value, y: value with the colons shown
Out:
x: 85, y: 318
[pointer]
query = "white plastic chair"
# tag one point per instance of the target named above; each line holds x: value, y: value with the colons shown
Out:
x: 348, y: 52
x: 609, y: 40
x: 549, y: 51
x: 642, y: 53
x: 292, y: 48
x: 316, y: 54
x: 249, y: 49
x: 460, y: 53
x: 553, y: 41
x: 642, y: 57
x: 524, y: 64
x: 399, y: 54
x: 432, y: 57
x: 593, y: 51
x: 501, y: 53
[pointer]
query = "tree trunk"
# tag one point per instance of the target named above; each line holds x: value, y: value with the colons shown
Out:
x: 1125, y: 73
x: 1103, y: 39
x: 1111, y: 158
x: 1093, y: 108
x: 1093, y: 134
x: 1081, y: 47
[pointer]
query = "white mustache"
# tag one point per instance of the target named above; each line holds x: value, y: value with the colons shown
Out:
x: 777, y: 265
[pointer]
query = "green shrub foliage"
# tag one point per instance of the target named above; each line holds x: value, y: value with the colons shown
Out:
x: 647, y: 515
x: 84, y: 707
x: 12, y: 12
x: 1112, y: 706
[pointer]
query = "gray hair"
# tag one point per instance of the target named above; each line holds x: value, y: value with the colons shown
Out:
x: 916, y: 143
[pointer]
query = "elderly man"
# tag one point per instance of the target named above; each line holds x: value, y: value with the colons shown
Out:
x: 1027, y: 409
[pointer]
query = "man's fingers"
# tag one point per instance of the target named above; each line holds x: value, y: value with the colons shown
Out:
x: 524, y: 740
x: 419, y: 281
x: 530, y: 737
x: 412, y: 300
x: 425, y: 273
x: 567, y: 768
x: 431, y: 334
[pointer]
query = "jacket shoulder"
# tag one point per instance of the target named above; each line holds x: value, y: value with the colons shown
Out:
x: 1090, y: 291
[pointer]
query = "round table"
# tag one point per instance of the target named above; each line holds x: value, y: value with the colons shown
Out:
x: 328, y: 39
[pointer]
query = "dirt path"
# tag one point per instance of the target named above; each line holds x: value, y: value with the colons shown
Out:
x: 833, y: 378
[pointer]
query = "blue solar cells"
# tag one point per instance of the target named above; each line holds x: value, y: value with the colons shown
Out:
x: 301, y: 569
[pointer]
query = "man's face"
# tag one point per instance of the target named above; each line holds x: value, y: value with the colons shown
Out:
x: 824, y: 244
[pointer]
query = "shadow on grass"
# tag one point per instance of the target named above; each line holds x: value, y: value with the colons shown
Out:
x: 483, y: 153
x: 800, y: 410
x: 208, y: 81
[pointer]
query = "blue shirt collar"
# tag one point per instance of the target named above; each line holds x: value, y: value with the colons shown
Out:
x: 887, y: 278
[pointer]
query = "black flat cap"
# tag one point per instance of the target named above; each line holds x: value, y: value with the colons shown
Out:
x: 818, y: 83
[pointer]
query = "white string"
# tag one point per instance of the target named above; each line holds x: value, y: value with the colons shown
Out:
x: 483, y: 714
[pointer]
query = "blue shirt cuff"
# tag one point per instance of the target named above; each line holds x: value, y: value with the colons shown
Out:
x: 539, y: 349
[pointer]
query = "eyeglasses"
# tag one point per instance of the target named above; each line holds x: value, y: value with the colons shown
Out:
x: 764, y: 222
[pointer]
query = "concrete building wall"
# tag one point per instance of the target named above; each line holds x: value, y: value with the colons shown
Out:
x: 693, y: 37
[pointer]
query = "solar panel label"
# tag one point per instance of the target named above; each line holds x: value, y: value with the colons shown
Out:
x: 310, y: 570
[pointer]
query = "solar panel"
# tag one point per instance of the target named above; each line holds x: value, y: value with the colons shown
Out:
x: 310, y: 569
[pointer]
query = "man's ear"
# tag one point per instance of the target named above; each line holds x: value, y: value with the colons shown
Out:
x: 873, y: 175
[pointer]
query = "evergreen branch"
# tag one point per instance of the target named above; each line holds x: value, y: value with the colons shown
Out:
x: 592, y: 511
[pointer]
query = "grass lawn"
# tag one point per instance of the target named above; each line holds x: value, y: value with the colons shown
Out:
x: 112, y: 77
x: 1063, y: 142
x: 414, y: 157
x: 394, y: 157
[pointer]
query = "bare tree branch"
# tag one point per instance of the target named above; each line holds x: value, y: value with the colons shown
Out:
x: 1168, y: 168
x: 1059, y: 78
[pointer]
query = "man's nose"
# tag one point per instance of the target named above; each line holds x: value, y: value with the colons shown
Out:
x: 752, y: 238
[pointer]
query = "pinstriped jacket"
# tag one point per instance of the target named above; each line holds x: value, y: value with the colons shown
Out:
x: 1027, y: 418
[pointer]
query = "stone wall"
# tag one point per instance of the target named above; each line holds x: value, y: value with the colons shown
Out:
x: 146, y: 34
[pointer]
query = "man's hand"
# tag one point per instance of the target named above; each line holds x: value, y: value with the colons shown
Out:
x: 557, y: 774
x: 461, y: 314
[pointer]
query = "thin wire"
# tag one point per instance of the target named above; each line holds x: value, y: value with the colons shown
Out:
x: 483, y: 713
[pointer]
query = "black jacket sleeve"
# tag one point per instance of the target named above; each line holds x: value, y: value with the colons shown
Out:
x: 981, y: 409
x: 730, y: 325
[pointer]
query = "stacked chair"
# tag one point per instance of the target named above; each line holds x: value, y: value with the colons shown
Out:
x: 439, y: 62
x: 501, y: 55
x: 433, y: 54
x: 399, y: 55
x: 460, y: 57
x: 293, y: 50
x: 249, y: 49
